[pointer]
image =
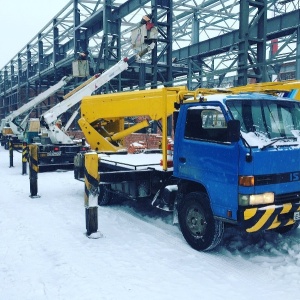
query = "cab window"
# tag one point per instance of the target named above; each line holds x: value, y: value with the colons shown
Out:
x: 206, y: 124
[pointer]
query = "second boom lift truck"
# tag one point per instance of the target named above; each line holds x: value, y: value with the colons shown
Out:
x: 60, y: 149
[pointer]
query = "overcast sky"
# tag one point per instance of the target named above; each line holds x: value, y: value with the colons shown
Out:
x: 21, y: 20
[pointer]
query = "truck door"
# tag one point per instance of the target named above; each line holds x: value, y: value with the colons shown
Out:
x: 206, y: 156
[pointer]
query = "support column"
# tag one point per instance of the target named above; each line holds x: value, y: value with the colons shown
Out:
x: 298, y: 54
x: 164, y: 22
x: 24, y: 158
x: 252, y: 42
x: 91, y: 180
x: 11, y: 153
x: 33, y: 170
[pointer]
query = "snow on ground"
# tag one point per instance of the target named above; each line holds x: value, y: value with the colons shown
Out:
x: 45, y: 254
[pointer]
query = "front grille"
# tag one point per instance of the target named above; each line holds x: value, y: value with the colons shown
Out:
x: 287, y: 198
x: 272, y: 178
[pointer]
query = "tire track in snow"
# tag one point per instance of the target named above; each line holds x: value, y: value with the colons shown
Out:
x: 219, y: 260
x: 256, y: 258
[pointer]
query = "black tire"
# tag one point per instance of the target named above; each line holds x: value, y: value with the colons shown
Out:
x: 288, y: 228
x: 197, y: 224
x: 105, y: 195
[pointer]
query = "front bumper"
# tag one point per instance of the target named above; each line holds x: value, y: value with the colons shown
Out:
x: 268, y: 217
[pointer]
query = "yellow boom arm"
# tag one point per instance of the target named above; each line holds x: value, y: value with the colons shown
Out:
x: 102, y: 116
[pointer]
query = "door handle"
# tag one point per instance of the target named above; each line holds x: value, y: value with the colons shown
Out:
x: 182, y: 159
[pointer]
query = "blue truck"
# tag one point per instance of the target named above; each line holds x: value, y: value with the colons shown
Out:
x: 235, y: 162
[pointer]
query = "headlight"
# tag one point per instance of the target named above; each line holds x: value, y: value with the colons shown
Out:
x: 266, y: 198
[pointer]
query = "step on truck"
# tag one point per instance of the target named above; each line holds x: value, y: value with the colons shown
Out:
x: 236, y: 157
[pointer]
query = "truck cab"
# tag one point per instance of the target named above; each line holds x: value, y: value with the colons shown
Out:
x: 237, y: 161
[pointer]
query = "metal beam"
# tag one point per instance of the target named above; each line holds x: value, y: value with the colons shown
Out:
x: 277, y: 27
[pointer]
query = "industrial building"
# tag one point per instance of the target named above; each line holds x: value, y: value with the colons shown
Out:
x: 208, y: 43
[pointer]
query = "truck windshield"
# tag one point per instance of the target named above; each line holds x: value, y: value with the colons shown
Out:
x: 266, y: 121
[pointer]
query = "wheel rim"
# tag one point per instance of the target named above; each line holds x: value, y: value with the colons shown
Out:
x: 196, y: 221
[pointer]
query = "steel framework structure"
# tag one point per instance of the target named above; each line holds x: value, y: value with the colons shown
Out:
x: 200, y: 43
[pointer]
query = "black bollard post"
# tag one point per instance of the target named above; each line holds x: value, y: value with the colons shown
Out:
x: 91, y: 194
x: 33, y: 170
x: 11, y: 153
x: 24, y: 158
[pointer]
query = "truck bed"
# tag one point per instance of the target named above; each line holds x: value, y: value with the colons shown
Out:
x: 139, y: 161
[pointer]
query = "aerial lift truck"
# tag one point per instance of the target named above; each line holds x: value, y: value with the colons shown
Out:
x: 60, y: 148
x: 236, y: 157
x: 15, y: 124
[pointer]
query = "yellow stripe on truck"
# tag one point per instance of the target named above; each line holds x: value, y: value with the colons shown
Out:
x: 250, y: 213
x: 260, y: 223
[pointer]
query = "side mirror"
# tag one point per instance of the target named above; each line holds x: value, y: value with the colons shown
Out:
x: 233, y: 127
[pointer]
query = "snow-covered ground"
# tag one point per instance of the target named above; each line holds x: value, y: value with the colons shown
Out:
x: 45, y: 254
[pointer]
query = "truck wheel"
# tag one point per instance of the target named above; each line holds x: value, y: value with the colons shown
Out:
x: 197, y: 224
x: 288, y: 228
x: 104, y: 195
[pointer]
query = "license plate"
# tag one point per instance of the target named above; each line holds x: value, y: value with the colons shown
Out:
x: 297, y: 216
x: 52, y: 153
